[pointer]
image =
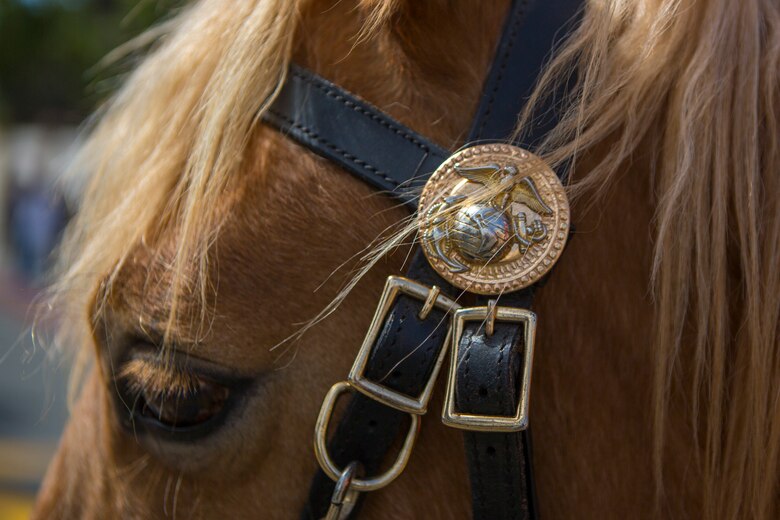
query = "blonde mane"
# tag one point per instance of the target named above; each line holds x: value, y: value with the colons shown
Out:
x: 694, y: 81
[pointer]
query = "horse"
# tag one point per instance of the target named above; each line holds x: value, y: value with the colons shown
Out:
x: 210, y: 275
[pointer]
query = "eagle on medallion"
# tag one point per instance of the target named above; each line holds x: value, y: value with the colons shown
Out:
x: 485, y: 232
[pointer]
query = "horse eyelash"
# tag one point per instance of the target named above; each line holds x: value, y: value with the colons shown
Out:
x: 158, y: 380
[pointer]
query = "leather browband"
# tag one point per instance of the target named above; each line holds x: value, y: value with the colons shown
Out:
x: 354, y: 134
x: 369, y: 144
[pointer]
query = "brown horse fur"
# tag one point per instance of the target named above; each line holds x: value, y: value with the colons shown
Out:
x: 205, y: 234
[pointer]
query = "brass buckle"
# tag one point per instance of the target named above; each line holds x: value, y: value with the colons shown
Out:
x: 432, y: 298
x: 333, y: 471
x: 491, y: 423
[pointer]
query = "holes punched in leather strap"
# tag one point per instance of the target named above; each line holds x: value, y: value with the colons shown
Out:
x: 367, y: 143
x: 493, y: 346
x: 402, y: 358
x: 490, y: 370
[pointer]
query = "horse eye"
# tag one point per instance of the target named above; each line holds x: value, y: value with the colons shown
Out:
x: 177, y: 399
x: 187, y: 408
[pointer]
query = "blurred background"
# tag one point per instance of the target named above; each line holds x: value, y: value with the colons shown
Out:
x: 51, y: 78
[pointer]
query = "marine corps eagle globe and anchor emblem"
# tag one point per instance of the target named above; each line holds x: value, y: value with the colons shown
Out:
x: 493, y: 218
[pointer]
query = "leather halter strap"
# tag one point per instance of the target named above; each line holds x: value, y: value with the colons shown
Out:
x: 371, y: 145
x: 487, y: 383
x: 377, y: 149
x: 354, y: 134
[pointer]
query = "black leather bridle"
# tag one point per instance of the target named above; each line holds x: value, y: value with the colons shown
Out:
x: 404, y: 350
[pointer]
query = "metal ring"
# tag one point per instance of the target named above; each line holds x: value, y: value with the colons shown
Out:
x: 344, y: 498
x: 344, y: 483
x: 333, y: 471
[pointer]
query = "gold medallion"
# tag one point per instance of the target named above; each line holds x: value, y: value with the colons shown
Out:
x: 493, y: 218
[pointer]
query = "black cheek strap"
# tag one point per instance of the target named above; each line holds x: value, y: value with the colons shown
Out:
x: 488, y: 383
x: 401, y: 359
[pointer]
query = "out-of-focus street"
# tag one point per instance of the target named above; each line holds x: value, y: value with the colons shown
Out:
x: 32, y: 402
x: 33, y: 213
x: 51, y: 79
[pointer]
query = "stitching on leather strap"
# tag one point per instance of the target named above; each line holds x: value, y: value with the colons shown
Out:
x: 505, y: 338
x: 467, y: 368
x: 331, y: 93
x: 349, y: 157
x: 404, y: 307
x: 479, y: 481
x: 433, y: 340
x: 508, y: 481
x: 504, y: 60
